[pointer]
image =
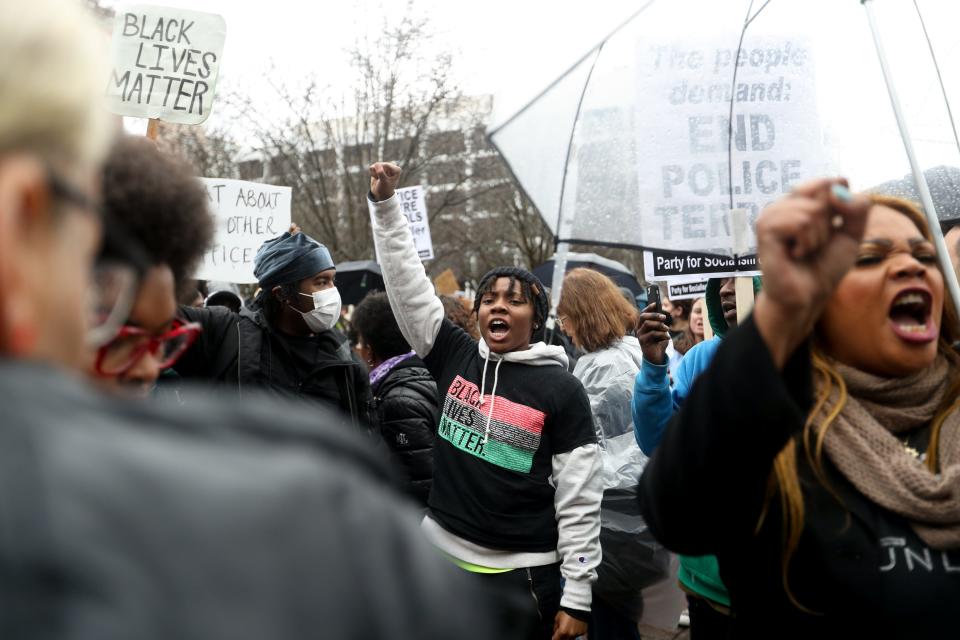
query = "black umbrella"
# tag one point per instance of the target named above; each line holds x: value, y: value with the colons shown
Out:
x: 944, y: 182
x: 616, y: 271
x: 356, y: 279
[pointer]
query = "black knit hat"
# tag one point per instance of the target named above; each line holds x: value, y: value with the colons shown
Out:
x: 532, y: 288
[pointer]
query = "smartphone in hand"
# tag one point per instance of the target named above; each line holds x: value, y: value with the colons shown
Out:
x: 653, y: 296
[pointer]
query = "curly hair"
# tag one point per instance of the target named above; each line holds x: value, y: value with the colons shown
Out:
x: 375, y: 324
x: 159, y: 202
x: 458, y: 315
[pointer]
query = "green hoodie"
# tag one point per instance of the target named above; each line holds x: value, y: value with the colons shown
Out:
x: 714, y: 310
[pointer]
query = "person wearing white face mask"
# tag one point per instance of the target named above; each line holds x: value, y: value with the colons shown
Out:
x: 286, y: 340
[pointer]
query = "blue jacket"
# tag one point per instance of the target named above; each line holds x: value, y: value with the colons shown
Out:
x: 654, y: 403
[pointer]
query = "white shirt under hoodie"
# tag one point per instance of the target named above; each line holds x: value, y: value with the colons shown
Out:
x: 500, y: 435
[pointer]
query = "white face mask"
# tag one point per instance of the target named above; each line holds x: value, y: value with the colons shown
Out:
x: 326, y: 310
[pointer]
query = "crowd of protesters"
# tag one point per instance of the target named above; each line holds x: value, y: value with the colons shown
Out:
x: 435, y: 467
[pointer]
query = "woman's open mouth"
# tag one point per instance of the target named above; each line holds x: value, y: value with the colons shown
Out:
x: 910, y: 316
x: 498, y: 329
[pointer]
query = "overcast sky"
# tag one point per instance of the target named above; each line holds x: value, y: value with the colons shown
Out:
x: 514, y: 48
x: 508, y: 48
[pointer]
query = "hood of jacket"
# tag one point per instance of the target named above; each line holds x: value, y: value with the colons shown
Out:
x: 540, y: 354
x: 715, y: 311
x: 608, y: 377
x: 412, y: 369
x: 255, y: 315
x: 623, y: 355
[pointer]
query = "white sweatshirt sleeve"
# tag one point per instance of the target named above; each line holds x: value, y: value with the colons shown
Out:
x: 418, y: 310
x: 579, y: 491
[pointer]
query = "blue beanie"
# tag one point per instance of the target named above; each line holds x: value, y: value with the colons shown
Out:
x: 290, y: 258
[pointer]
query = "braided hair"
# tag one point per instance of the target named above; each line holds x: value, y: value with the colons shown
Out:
x: 531, y: 289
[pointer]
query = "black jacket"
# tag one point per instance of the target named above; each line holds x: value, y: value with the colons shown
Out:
x: 407, y: 411
x: 244, y: 351
x: 233, y: 520
x: 859, y: 566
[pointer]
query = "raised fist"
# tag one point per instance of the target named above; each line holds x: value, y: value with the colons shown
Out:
x: 384, y: 178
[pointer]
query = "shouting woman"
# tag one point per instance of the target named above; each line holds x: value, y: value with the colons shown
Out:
x: 819, y: 455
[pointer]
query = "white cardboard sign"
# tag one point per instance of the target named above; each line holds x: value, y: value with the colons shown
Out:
x: 165, y: 63
x: 687, y: 290
x: 247, y: 214
x: 413, y: 205
x: 685, y: 129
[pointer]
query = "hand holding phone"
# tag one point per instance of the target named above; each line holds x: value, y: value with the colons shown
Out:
x: 652, y: 330
x: 653, y: 296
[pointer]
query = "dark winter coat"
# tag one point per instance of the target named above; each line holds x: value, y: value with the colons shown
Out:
x: 226, y: 520
x: 244, y: 351
x: 860, y: 567
x: 407, y: 410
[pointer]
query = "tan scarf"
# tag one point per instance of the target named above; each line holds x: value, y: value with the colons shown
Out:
x: 863, y: 444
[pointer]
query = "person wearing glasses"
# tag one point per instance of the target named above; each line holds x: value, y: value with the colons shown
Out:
x: 161, y: 209
x: 149, y: 520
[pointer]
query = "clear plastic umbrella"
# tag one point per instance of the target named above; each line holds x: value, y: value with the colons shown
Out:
x: 693, y: 108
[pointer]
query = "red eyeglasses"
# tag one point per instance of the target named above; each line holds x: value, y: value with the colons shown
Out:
x: 131, y: 343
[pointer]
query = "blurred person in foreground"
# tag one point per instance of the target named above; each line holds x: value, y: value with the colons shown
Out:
x: 156, y: 205
x: 405, y: 405
x: 819, y: 455
x: 516, y: 491
x: 132, y: 520
x: 600, y: 321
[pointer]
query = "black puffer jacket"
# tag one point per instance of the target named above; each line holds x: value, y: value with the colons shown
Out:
x: 407, y: 410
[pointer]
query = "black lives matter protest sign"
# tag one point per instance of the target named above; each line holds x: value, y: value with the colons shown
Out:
x: 685, y: 130
x: 165, y: 63
x: 246, y: 214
